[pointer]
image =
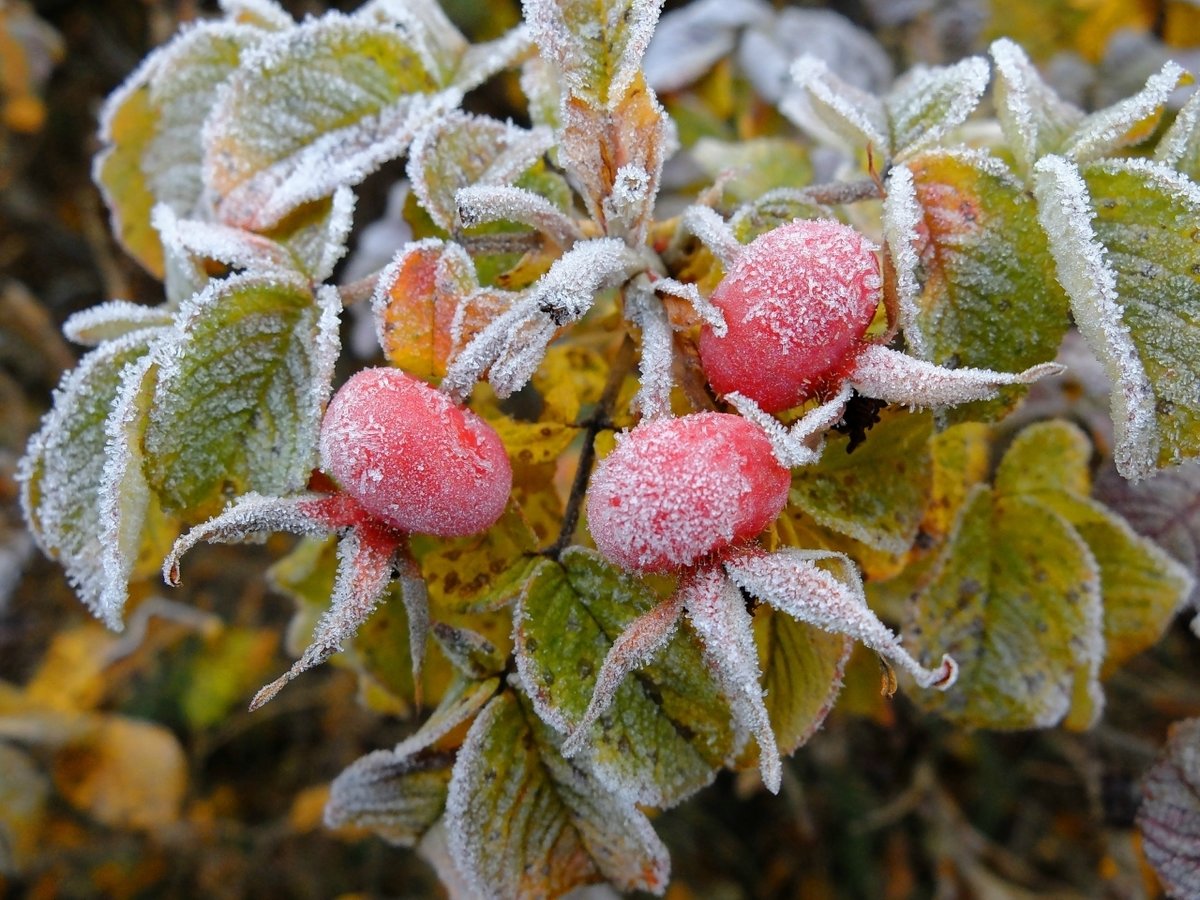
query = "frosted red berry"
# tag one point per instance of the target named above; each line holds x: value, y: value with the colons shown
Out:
x: 411, y: 457
x: 797, y: 302
x: 676, y: 490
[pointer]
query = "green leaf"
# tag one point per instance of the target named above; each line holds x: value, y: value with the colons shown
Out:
x: 524, y: 822
x: 755, y: 166
x: 1015, y: 599
x: 1049, y: 456
x: 930, y: 101
x: 968, y: 251
x: 1179, y: 147
x: 313, y: 108
x: 64, y: 467
x: 802, y: 674
x: 878, y: 493
x: 240, y: 391
x: 151, y: 129
x: 667, y: 731
x: 1035, y: 120
x: 596, y: 46
x: 461, y: 150
x: 836, y: 111
x: 1127, y: 122
x: 316, y: 234
x: 1124, y: 237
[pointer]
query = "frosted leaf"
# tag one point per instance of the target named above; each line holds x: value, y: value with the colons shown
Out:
x: 902, y: 217
x: 708, y: 313
x: 595, y: 145
x: 150, y: 128
x: 790, y: 581
x: 395, y: 795
x: 225, y: 244
x: 779, y: 206
x: 123, y: 497
x: 241, y: 386
x: 113, y: 319
x: 1169, y: 815
x: 515, y: 341
x: 636, y: 646
x: 597, y: 47
x: 1130, y: 121
x: 184, y: 275
x: 718, y: 614
x: 1034, y: 119
x: 424, y: 24
x: 899, y: 378
x: 366, y: 557
x: 1064, y: 211
x: 461, y: 701
x: 481, y: 61
x: 578, y: 628
x: 468, y: 651
x: 480, y: 205
x: 1179, y: 148
x: 657, y: 357
x: 927, y: 103
x: 567, y: 291
x: 316, y: 107
x: 262, y: 13
x: 835, y: 109
x: 317, y: 234
x: 415, y: 595
x: 802, y: 443
x: 460, y: 150
x: 632, y: 195
x: 63, y: 466
x: 539, y: 84
x: 707, y: 225
x: 690, y: 40
x: 577, y: 832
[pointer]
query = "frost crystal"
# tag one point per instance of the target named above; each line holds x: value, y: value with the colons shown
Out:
x: 929, y: 102
x: 1064, y: 211
x: 1125, y: 123
x: 836, y: 110
x: 1180, y: 146
x: 713, y: 233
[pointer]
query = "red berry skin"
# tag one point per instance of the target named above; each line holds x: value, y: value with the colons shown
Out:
x: 412, y: 458
x: 797, y: 302
x: 676, y: 490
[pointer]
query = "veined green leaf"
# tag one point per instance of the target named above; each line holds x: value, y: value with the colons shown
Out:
x: 969, y: 254
x: 930, y: 101
x: 1123, y: 233
x: 878, y: 493
x: 151, y: 127
x: 311, y: 109
x: 667, y: 731
x: 524, y: 822
x: 802, y: 674
x: 1015, y: 599
x: 65, y: 464
x: 240, y: 392
x: 772, y: 209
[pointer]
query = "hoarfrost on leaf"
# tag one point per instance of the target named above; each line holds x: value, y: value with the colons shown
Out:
x: 1179, y: 147
x: 1035, y: 120
x: 901, y: 220
x: 113, y: 319
x: 927, y: 103
x: 480, y: 205
x: 1130, y: 121
x: 836, y: 111
x: 263, y: 13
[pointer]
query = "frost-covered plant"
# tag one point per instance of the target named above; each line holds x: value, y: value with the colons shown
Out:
x: 544, y: 304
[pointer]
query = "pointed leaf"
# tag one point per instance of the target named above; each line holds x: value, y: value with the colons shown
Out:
x: 597, y: 47
x: 1179, y: 147
x: 833, y: 110
x: 1034, y: 119
x: 397, y: 796
x: 310, y: 109
x: 460, y: 150
x: 929, y: 102
x: 523, y: 821
x: 63, y: 467
x: 1015, y: 599
x: 151, y: 128
x: 241, y: 389
x: 963, y: 237
x: 667, y: 730
x: 877, y: 494
x: 1128, y: 122
x: 113, y: 319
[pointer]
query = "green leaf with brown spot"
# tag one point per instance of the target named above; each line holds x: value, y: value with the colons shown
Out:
x: 668, y: 729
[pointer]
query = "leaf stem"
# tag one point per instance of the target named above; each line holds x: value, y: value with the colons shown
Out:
x: 360, y: 290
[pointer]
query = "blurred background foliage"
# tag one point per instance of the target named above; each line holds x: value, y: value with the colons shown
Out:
x: 128, y: 765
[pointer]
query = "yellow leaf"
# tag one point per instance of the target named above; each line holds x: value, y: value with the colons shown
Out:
x: 70, y: 677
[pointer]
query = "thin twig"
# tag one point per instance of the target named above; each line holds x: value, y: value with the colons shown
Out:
x: 593, y: 425
x: 359, y: 291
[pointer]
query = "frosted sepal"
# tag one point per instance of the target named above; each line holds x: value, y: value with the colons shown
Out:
x: 415, y: 595
x: 802, y: 443
x: 899, y: 378
x: 646, y: 311
x: 365, y: 566
x: 481, y: 204
x: 712, y: 315
x: 635, y: 647
x: 718, y: 614
x: 712, y: 231
x: 1124, y: 123
x: 790, y: 581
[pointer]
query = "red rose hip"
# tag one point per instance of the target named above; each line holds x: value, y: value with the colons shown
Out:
x: 797, y: 302
x: 411, y: 457
x: 676, y: 490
